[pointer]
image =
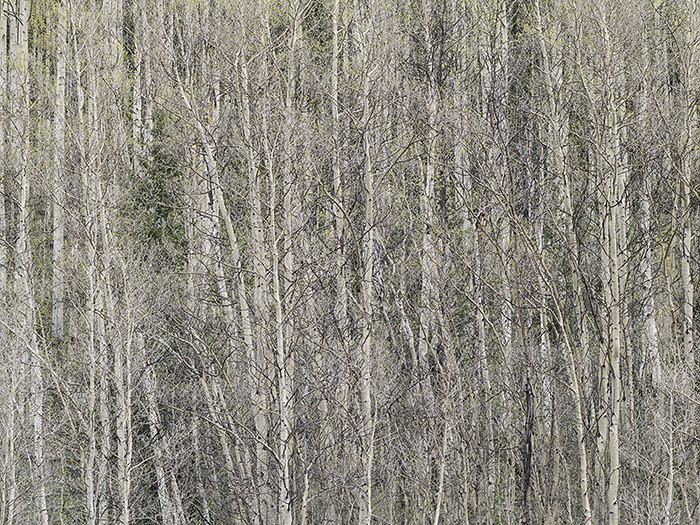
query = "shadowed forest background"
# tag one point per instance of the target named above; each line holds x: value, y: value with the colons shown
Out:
x: 302, y: 262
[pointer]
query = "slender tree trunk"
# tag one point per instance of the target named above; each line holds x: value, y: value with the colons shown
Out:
x: 366, y: 295
x: 4, y: 88
x: 121, y: 347
x: 260, y: 359
x: 650, y: 340
x: 206, y: 512
x: 688, y: 162
x: 9, y: 493
x: 59, y: 172
x: 428, y: 254
x: 24, y: 287
x: 441, y: 476
x: 615, y: 217
x: 283, y: 391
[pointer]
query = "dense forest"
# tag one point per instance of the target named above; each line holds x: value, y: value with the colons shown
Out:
x: 300, y: 262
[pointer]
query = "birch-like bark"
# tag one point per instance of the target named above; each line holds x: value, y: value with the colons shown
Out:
x: 282, y: 297
x: 283, y: 390
x: 259, y: 360
x: 8, y: 494
x: 206, y: 512
x: 122, y: 376
x: 366, y: 288
x: 121, y: 348
x: 25, y: 293
x: 4, y: 85
x: 614, y: 220
x: 690, y: 60
x: 615, y: 378
x: 485, y: 373
x: 650, y: 339
x: 289, y: 193
x: 341, y: 303
x: 340, y: 306
x: 688, y: 163
x: 427, y: 199
x: 58, y: 287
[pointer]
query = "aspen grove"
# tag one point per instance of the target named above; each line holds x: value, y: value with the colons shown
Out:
x: 308, y: 262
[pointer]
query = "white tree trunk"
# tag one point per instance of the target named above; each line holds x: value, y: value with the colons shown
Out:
x: 366, y: 294
x: 59, y: 173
